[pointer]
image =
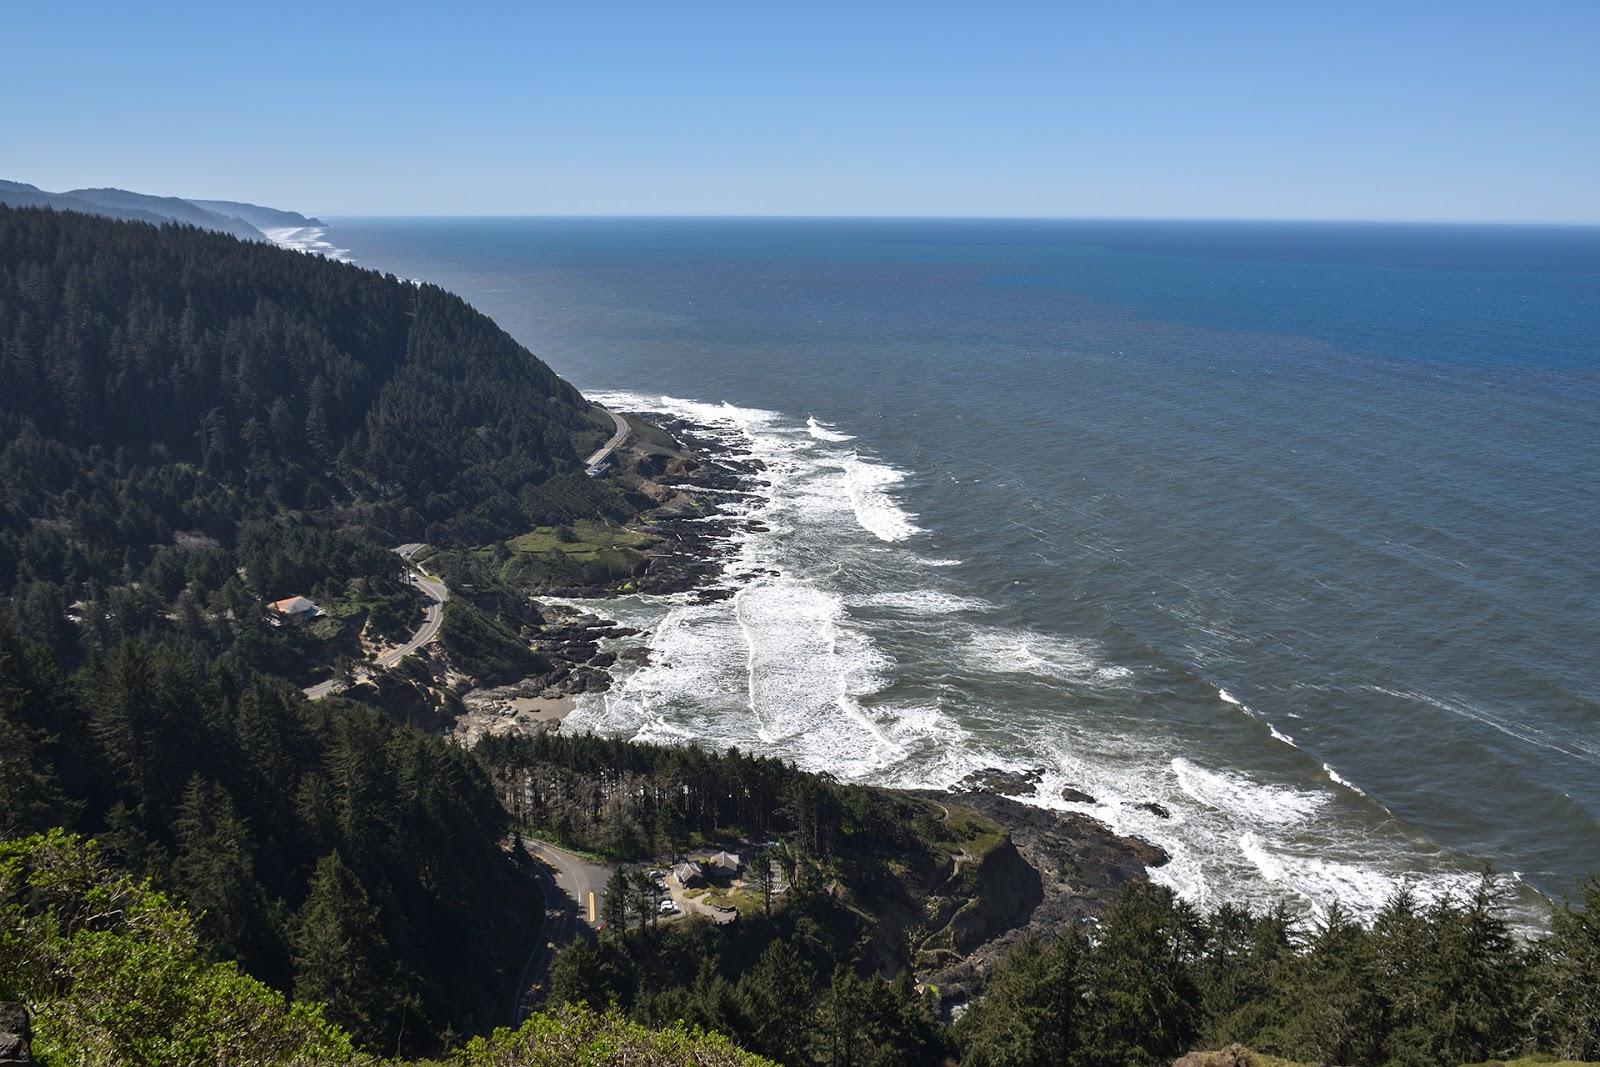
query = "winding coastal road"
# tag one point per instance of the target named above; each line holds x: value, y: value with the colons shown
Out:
x: 432, y: 619
x: 598, y: 460
x: 567, y: 881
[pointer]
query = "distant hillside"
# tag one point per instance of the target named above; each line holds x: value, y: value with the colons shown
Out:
x: 21, y: 194
x: 262, y: 218
x: 138, y: 207
x: 169, y: 207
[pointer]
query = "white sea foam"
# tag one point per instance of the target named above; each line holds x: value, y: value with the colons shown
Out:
x: 823, y: 433
x: 1229, y: 836
x: 1228, y: 698
x: 1358, y: 888
x: 312, y: 239
x: 867, y: 485
x: 939, y: 562
x: 798, y: 676
x: 1027, y: 652
x: 779, y: 666
x: 785, y: 667
x: 1335, y: 776
x: 1254, y: 803
x: 921, y: 602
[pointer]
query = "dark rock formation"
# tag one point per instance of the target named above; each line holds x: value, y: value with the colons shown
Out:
x: 1001, y: 782
x: 16, y: 1036
x: 1076, y: 796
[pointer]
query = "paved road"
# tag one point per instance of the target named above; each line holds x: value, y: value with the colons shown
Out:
x: 566, y: 881
x: 432, y: 619
x: 596, y: 461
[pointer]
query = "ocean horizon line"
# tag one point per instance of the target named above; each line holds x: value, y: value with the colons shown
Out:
x: 1593, y: 224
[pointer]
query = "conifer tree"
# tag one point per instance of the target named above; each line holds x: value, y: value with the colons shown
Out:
x: 214, y: 870
x: 776, y: 997
x: 341, y: 958
x: 618, y: 904
x: 1567, y: 980
x: 1032, y: 1011
x: 1142, y: 1005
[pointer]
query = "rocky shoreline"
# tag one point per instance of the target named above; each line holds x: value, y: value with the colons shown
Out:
x: 1071, y: 863
x: 685, y: 488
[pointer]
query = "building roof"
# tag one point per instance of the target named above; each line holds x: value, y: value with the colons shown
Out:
x: 726, y: 860
x: 292, y: 605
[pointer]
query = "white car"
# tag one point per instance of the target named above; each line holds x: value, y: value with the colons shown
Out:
x: 668, y: 908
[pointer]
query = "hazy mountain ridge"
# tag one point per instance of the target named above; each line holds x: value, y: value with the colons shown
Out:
x: 262, y: 218
x: 246, y: 221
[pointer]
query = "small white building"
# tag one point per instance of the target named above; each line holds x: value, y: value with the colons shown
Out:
x: 295, y: 608
x: 689, y: 873
x: 728, y: 861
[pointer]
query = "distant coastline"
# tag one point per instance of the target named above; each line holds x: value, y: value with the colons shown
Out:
x: 312, y: 238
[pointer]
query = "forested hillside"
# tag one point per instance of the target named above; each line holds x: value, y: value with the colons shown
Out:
x: 162, y: 389
x: 116, y: 974
x: 329, y: 851
x: 192, y: 426
x: 825, y: 972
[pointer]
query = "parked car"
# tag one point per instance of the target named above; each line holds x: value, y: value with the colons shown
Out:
x: 668, y: 908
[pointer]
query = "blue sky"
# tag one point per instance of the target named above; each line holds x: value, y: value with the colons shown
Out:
x: 1342, y: 109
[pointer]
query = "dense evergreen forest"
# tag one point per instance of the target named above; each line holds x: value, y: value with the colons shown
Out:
x: 1439, y: 983
x: 635, y: 801
x: 193, y: 425
x: 116, y: 975
x: 808, y: 981
x: 328, y: 850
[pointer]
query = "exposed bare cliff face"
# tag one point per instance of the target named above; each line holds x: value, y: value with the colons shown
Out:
x: 1054, y: 869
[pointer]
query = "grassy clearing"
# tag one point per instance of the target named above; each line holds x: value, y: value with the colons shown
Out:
x: 584, y: 553
x: 959, y: 831
x: 746, y: 902
x: 582, y: 541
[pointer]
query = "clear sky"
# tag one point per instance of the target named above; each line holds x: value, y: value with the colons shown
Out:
x: 1316, y: 109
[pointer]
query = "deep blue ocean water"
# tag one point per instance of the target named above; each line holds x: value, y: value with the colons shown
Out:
x: 1289, y: 528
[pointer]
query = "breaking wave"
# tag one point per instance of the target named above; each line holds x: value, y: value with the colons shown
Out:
x: 312, y: 239
x: 823, y: 433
